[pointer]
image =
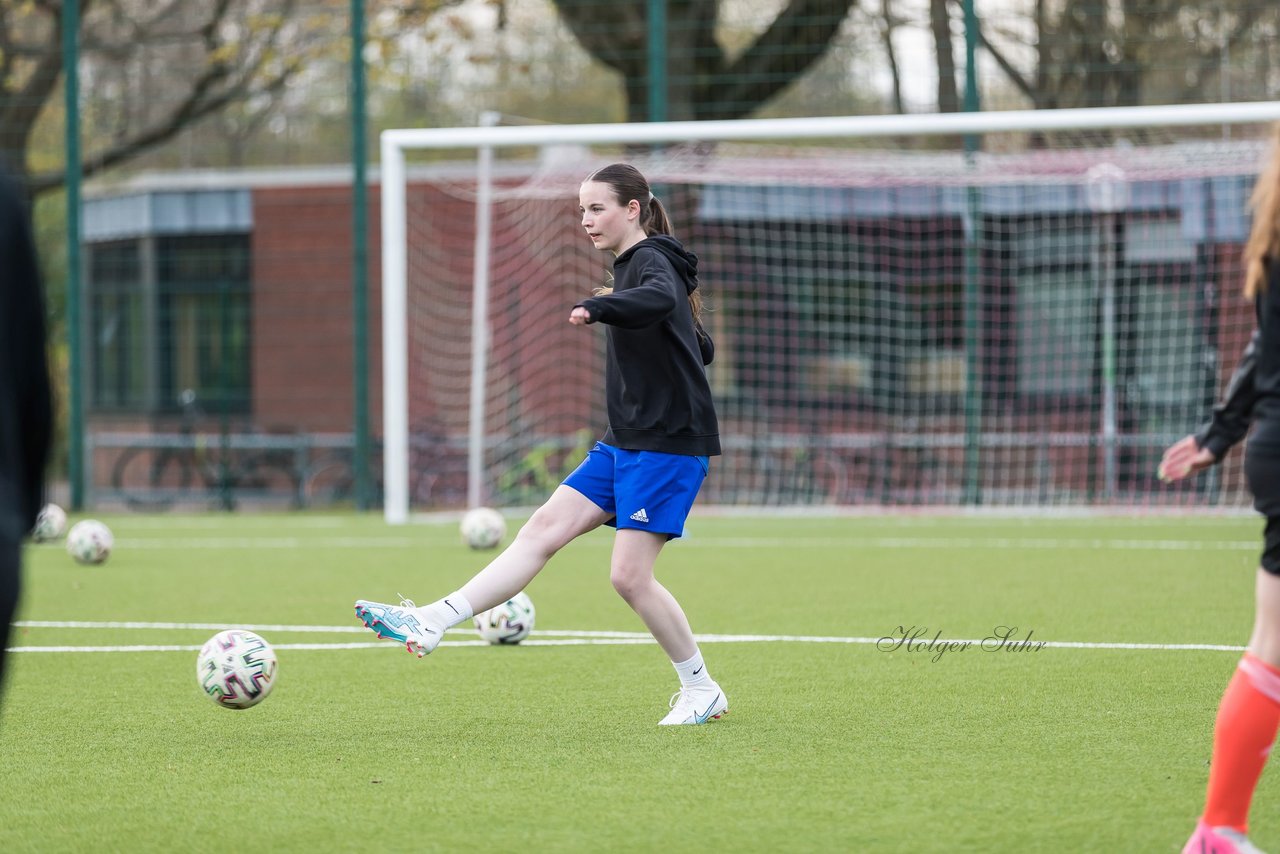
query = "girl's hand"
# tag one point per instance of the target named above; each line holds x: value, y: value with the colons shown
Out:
x: 1182, y: 459
x: 579, y: 316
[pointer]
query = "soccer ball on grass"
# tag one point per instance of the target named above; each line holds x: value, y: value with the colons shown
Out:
x: 507, y: 623
x: 89, y: 541
x: 50, y: 524
x: 483, y: 528
x: 236, y: 669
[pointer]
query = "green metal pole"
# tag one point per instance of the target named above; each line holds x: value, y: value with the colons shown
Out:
x: 75, y: 391
x: 360, y: 256
x: 970, y: 64
x: 972, y: 491
x: 657, y: 55
x: 225, y: 497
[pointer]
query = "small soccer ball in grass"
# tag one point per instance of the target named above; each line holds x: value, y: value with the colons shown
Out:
x: 236, y: 669
x: 483, y: 528
x: 509, y: 622
x: 89, y: 541
x: 50, y: 524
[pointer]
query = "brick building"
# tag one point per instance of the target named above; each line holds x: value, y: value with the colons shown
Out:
x: 840, y: 312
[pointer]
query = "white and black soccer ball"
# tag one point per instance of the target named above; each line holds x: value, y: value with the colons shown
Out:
x: 483, y: 528
x: 90, y: 542
x: 510, y: 622
x: 50, y: 525
x: 236, y: 669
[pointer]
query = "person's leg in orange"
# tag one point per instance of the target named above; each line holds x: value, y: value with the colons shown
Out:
x: 1245, y: 731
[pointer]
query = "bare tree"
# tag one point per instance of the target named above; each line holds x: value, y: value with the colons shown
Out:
x: 940, y: 25
x: 150, y: 70
x: 1101, y: 53
x: 887, y: 23
x: 704, y: 80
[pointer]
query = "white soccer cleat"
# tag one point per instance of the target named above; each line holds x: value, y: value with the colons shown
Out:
x: 696, y: 706
x: 405, y: 623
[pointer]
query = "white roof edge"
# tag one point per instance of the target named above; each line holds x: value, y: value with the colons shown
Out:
x: 252, y: 178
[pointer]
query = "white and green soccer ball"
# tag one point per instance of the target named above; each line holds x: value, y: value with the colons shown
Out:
x: 50, y: 524
x: 507, y: 623
x: 90, y: 542
x: 236, y: 669
x: 483, y: 528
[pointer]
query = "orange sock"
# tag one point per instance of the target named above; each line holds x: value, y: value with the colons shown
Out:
x: 1242, y: 739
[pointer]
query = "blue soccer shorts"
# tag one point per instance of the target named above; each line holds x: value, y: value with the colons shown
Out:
x: 645, y: 490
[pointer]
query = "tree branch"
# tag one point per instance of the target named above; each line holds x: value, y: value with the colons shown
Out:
x: 211, y: 92
x: 886, y: 24
x: 184, y: 116
x: 1021, y: 83
x: 616, y: 39
x: 1210, y: 63
x: 796, y: 39
x: 24, y: 105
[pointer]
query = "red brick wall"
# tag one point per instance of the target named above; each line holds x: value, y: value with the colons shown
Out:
x: 302, y: 353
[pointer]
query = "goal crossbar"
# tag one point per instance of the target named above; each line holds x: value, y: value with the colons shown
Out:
x: 828, y: 127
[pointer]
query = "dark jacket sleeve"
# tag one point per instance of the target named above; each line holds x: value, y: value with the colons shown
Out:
x: 26, y: 418
x: 643, y: 305
x: 1231, y: 416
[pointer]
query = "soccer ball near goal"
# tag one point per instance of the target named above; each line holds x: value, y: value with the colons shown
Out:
x: 50, y: 524
x: 236, y: 669
x: 483, y: 528
x: 509, y: 622
x: 89, y: 541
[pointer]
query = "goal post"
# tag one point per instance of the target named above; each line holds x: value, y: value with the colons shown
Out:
x: 1009, y: 374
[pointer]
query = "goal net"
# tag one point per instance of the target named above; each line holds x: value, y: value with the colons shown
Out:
x: 1016, y: 309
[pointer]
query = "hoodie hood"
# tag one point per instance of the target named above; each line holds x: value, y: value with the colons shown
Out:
x: 682, y: 260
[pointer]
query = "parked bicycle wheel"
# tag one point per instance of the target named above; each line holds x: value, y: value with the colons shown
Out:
x: 268, y: 472
x: 151, y: 478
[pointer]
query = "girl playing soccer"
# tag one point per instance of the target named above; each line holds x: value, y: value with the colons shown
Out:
x: 643, y: 476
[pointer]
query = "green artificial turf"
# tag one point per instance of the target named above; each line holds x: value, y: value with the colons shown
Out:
x: 829, y: 745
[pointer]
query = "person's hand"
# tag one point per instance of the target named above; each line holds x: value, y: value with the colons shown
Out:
x: 579, y: 316
x: 1182, y: 459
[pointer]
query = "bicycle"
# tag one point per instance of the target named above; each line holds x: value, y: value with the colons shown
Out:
x: 162, y: 470
x: 437, y: 473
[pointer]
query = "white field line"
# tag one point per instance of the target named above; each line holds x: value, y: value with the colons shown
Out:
x: 545, y: 638
x: 790, y: 543
x: 1053, y: 544
x: 264, y: 627
x: 220, y: 522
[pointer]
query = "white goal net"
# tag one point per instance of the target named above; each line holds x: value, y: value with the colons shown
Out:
x: 1016, y: 309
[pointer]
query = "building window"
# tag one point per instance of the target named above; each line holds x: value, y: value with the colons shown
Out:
x: 204, y: 321
x: 118, y: 327
x: 169, y: 315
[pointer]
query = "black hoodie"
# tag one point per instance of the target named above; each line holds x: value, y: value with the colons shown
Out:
x: 25, y: 408
x: 1253, y: 394
x: 656, y: 388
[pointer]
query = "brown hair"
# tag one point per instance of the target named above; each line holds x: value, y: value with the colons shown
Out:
x: 627, y: 184
x: 1264, y: 238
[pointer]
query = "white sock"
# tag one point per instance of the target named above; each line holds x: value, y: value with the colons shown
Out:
x: 693, y: 673
x: 451, y: 610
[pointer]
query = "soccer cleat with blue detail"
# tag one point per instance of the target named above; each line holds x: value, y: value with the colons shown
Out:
x: 1219, y: 840
x: 699, y: 705
x: 405, y: 623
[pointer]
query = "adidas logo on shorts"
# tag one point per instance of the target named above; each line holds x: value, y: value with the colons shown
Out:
x: 640, y: 516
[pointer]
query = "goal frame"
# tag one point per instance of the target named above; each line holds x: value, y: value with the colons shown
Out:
x: 486, y: 137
